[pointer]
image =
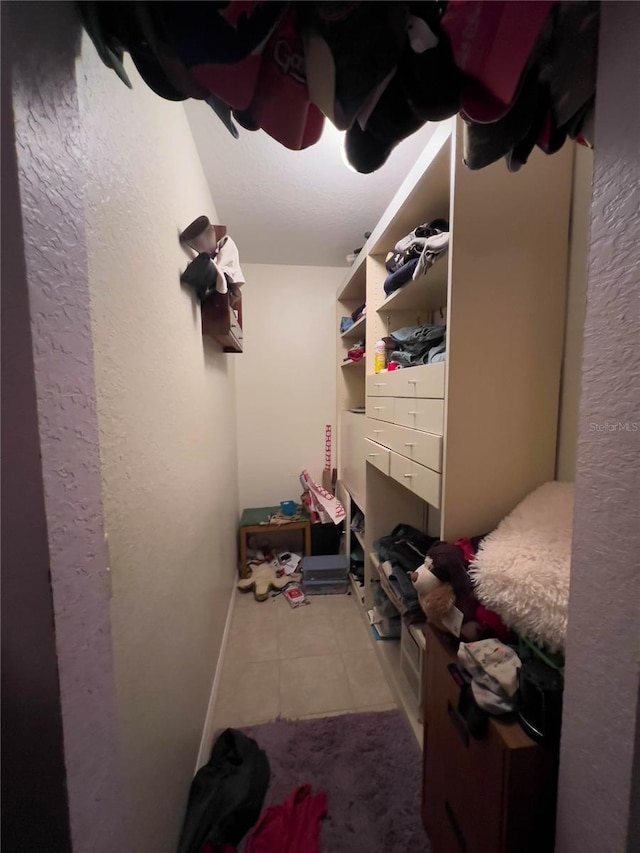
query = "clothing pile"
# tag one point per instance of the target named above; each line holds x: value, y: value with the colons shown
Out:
x: 415, y: 253
x: 521, y: 74
x: 404, y: 550
x: 226, y: 800
x: 413, y: 345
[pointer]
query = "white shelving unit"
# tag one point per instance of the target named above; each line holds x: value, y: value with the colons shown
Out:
x: 451, y: 448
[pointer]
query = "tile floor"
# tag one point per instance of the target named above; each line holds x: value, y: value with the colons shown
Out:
x: 295, y: 663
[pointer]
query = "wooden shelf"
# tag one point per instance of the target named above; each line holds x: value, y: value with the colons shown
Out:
x: 359, y: 537
x: 354, y: 285
x: 426, y: 293
x: 357, y: 590
x: 222, y: 321
x: 355, y: 331
x: 423, y: 196
x: 350, y: 363
x: 389, y: 656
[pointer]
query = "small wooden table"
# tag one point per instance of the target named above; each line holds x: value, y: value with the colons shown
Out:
x: 257, y: 520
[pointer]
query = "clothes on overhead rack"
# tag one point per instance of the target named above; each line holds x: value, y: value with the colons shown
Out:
x: 520, y: 74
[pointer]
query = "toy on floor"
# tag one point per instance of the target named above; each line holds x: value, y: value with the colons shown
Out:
x: 264, y: 578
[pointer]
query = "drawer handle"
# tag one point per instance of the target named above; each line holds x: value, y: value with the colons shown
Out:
x: 378, y: 430
x: 413, y: 381
x: 458, y: 724
x: 380, y: 384
x: 374, y: 454
x: 408, y: 475
x: 412, y: 413
x: 409, y: 444
x: 379, y: 407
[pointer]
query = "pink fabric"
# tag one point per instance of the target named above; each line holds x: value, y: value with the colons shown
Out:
x: 292, y: 826
x: 281, y: 105
x: 491, y: 44
x: 468, y: 551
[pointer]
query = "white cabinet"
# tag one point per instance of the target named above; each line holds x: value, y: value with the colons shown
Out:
x: 466, y: 438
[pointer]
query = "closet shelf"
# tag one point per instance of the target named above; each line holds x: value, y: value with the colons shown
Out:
x: 391, y: 594
x: 355, y: 331
x: 360, y: 538
x: 350, y: 363
x: 423, y: 196
x: 425, y: 294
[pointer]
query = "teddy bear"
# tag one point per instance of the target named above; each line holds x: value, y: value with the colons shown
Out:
x: 263, y: 579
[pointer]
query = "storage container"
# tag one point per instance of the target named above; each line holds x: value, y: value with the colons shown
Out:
x: 331, y: 587
x: 328, y: 567
x: 325, y: 575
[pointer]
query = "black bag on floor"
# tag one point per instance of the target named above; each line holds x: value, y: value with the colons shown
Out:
x: 226, y: 795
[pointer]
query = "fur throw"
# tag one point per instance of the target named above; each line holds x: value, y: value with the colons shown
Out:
x: 522, y: 568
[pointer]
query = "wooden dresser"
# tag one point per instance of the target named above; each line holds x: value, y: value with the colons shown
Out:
x: 494, y: 795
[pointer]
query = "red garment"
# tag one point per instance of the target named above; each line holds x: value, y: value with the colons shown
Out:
x: 468, y: 551
x: 292, y: 826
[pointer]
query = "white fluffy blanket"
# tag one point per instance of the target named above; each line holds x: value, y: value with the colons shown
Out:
x: 521, y: 569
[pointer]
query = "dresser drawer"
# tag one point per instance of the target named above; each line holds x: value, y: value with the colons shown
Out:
x: 423, y: 447
x: 425, y: 415
x: 377, y: 455
x: 379, y: 384
x: 380, y: 408
x: 377, y: 431
x: 425, y: 380
x: 422, y: 481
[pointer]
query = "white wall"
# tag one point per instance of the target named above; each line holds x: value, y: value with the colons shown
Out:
x: 576, y: 306
x: 286, y: 381
x: 598, y: 808
x: 166, y: 413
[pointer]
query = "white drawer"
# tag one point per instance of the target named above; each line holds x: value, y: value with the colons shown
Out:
x: 422, y: 481
x: 377, y: 431
x: 425, y: 415
x: 377, y: 455
x: 380, y: 408
x: 379, y: 384
x: 423, y: 381
x: 422, y: 447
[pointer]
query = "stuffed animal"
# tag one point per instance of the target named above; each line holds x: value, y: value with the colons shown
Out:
x: 263, y: 579
x: 442, y: 582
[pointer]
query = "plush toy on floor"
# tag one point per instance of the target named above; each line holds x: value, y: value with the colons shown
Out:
x: 263, y: 579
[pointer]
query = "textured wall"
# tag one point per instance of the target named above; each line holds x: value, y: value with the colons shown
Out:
x: 51, y: 175
x: 166, y: 413
x: 603, y: 645
x: 286, y: 378
x: 576, y: 304
x: 34, y: 816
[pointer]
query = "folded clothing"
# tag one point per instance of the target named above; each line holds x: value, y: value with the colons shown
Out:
x: 417, y: 344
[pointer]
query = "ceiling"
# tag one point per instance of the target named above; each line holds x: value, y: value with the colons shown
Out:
x: 294, y: 207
